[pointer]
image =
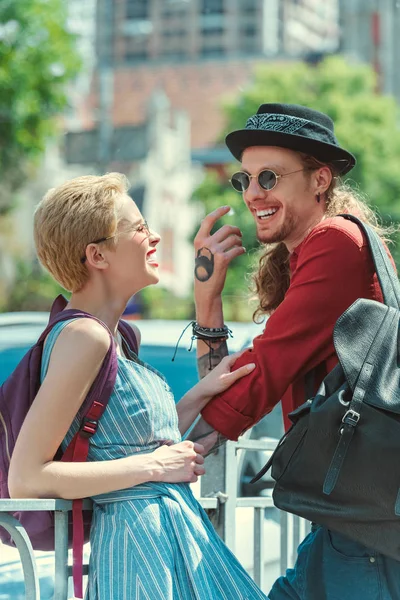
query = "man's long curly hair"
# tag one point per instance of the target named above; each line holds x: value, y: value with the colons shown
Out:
x: 272, y: 277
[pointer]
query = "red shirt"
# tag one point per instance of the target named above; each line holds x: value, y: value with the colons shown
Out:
x: 330, y: 269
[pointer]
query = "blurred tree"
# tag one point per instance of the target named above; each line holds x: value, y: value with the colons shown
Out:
x: 160, y: 303
x: 37, y: 59
x: 366, y: 123
x: 33, y: 289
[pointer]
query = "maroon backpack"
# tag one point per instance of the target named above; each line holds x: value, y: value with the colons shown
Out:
x: 16, y: 396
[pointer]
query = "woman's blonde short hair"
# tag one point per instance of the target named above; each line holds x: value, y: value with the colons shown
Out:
x: 71, y: 216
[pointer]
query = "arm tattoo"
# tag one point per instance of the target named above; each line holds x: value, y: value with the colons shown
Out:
x: 204, y: 264
x: 220, y: 441
x: 209, y: 361
x: 202, y: 432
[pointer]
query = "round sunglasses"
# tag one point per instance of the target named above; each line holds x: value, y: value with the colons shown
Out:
x: 267, y: 179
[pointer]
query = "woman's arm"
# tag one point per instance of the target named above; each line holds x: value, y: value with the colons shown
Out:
x: 218, y: 380
x: 75, y: 361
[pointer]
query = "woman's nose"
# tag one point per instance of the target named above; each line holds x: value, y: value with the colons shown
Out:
x: 154, y: 237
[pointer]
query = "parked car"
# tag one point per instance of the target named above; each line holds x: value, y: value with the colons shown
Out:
x: 20, y: 330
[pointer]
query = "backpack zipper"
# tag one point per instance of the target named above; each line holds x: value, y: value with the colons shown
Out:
x: 6, y: 434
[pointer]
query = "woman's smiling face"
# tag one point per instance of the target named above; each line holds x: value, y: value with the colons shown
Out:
x: 133, y: 261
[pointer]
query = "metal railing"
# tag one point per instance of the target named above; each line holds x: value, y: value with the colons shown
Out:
x: 221, y: 481
x: 219, y: 496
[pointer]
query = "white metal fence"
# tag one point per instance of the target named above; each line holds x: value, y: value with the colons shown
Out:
x: 219, y: 496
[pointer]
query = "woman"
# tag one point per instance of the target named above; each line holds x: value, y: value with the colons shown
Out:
x: 150, y: 538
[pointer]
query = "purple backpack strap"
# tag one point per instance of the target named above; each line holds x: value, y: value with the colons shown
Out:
x: 90, y: 412
x: 129, y: 335
x: 58, y: 313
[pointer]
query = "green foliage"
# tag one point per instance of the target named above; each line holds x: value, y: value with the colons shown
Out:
x: 366, y: 123
x: 33, y: 289
x: 37, y: 59
x: 159, y: 303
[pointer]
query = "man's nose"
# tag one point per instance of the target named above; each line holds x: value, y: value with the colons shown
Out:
x: 254, y: 191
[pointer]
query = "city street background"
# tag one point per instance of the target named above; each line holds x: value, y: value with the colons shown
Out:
x: 149, y: 88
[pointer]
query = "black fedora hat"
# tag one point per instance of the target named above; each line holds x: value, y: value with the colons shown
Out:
x: 294, y: 127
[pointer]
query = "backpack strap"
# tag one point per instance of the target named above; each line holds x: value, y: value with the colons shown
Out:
x: 309, y: 384
x: 129, y: 336
x: 385, y: 271
x: 57, y: 314
x: 91, y: 411
x: 78, y: 449
x: 58, y: 305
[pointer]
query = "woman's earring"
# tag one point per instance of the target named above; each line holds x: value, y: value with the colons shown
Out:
x: 318, y: 198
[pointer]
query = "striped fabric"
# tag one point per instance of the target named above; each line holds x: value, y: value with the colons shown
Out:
x: 153, y: 541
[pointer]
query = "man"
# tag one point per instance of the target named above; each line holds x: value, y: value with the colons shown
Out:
x: 315, y: 265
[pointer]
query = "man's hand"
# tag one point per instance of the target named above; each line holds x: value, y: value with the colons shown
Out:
x: 214, y: 252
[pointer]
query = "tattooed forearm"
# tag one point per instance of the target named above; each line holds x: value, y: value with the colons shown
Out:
x: 204, y: 434
x: 221, y: 440
x: 210, y: 448
x: 209, y: 361
x: 204, y: 264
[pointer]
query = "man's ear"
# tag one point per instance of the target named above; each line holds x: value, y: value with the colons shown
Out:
x: 323, y: 178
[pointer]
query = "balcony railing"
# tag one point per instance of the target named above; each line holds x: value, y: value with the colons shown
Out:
x: 218, y: 496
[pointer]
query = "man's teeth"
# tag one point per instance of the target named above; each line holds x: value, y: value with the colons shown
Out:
x: 264, y: 214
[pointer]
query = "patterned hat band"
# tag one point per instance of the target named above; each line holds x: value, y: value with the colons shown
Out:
x: 292, y: 125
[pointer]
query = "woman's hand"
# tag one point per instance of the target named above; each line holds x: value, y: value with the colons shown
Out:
x: 221, y: 377
x: 218, y: 380
x: 181, y: 462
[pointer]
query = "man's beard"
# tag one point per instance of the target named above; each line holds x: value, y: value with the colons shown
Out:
x: 281, y: 234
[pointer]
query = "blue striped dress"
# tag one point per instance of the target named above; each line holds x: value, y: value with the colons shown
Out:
x: 152, y: 541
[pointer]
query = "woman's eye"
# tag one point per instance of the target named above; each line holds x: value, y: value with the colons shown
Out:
x: 140, y: 228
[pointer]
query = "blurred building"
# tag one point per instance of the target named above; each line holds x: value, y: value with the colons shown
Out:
x: 82, y: 23
x: 150, y: 30
x: 309, y: 27
x: 370, y: 33
x: 156, y: 157
x: 200, y: 51
x: 157, y: 74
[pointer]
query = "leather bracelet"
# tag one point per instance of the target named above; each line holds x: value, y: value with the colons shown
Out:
x: 210, y: 333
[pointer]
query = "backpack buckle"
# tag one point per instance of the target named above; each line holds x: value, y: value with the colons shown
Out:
x: 351, y: 417
x: 88, y: 427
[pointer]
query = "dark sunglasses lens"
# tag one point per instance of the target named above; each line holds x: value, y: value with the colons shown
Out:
x: 267, y: 179
x: 240, y: 181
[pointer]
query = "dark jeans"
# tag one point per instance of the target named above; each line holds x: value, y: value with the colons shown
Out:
x: 332, y: 567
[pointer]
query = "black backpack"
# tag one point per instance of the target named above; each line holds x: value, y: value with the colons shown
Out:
x: 339, y: 463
